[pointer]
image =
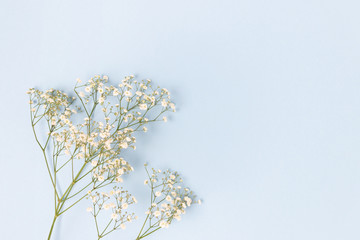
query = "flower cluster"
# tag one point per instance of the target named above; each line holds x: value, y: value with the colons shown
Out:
x: 97, y: 141
x: 87, y: 135
x: 110, y: 169
x: 116, y: 203
x: 169, y: 199
x: 50, y: 104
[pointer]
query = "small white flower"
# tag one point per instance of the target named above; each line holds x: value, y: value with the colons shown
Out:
x: 101, y: 178
x: 165, y: 119
x: 89, y: 209
x: 88, y: 89
x: 143, y: 106
x: 145, y: 129
x: 122, y: 226
x: 78, y: 80
x: 125, y: 206
x: 164, y: 224
x: 127, y: 93
x: 172, y: 106
x: 158, y: 194
x: 157, y: 213
x: 114, y: 216
x: 115, y: 92
x: 124, y: 145
x: 94, y: 163
x: 81, y: 94
x: 168, y: 198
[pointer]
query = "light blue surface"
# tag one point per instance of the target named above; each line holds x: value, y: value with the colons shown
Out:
x: 268, y: 125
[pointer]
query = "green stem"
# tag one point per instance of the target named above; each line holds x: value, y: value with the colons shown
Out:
x: 143, y: 226
x: 148, y: 233
x: 52, y: 227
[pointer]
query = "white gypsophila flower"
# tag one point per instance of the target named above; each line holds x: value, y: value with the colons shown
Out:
x: 168, y: 198
x: 124, y: 206
x: 88, y: 89
x: 157, y: 213
x: 116, y: 92
x: 81, y: 94
x: 120, y: 171
x: 143, y: 106
x: 114, y: 216
x: 172, y: 106
x: 78, y: 80
x: 89, y: 209
x: 124, y: 145
x: 94, y: 163
x: 165, y: 119
x: 145, y: 129
x: 122, y: 226
x: 158, y: 194
x: 101, y: 178
x: 127, y: 93
x: 164, y: 224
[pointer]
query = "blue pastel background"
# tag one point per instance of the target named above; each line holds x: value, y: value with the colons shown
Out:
x: 268, y: 124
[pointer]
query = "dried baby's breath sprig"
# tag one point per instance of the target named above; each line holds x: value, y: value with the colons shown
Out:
x: 168, y: 201
x: 89, y: 150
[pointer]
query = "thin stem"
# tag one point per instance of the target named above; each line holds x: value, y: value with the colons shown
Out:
x: 106, y: 228
x: 149, y: 233
x: 143, y: 226
x: 52, y: 226
x: 73, y: 204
